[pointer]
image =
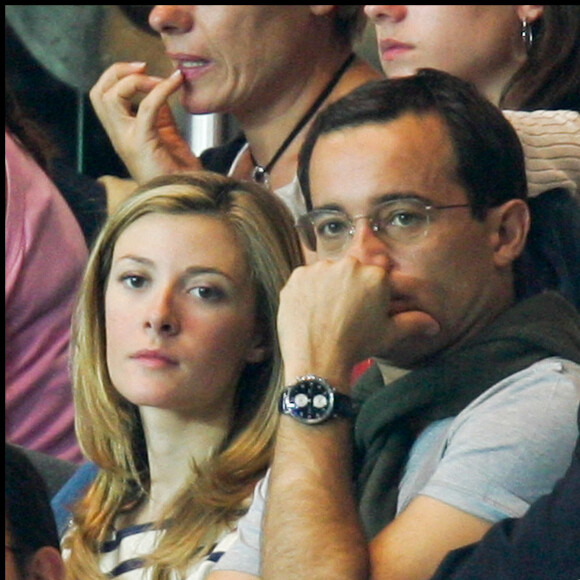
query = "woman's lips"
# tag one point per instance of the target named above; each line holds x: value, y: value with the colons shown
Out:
x: 191, y: 66
x: 154, y: 358
x: 390, y: 49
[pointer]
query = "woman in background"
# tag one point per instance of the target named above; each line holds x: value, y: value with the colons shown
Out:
x: 272, y: 67
x: 522, y: 57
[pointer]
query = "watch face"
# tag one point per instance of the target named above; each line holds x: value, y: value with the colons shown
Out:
x: 309, y: 401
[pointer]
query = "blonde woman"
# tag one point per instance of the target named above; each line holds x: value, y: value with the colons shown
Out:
x: 177, y: 374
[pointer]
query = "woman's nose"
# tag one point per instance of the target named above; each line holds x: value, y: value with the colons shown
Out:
x: 394, y: 12
x: 170, y: 19
x: 162, y: 317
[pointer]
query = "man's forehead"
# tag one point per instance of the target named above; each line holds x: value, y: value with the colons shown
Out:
x: 409, y: 140
x: 373, y: 162
x: 428, y: 124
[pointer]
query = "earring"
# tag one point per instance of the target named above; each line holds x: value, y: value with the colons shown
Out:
x: 527, y: 34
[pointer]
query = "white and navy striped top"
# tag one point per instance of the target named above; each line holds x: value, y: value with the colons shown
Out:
x: 122, y: 555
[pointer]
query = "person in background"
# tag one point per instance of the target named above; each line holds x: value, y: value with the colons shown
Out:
x: 177, y: 372
x: 520, y: 57
x: 416, y: 191
x: 272, y: 67
x: 31, y: 545
x: 55, y: 471
x: 45, y: 253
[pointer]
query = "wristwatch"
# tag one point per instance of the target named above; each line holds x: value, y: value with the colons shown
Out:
x: 311, y: 400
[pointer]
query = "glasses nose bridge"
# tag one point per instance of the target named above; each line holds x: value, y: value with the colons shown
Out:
x: 370, y: 218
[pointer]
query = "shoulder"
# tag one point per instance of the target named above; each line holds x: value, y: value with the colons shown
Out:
x: 552, y: 524
x: 551, y: 143
x: 243, y: 555
x: 220, y: 158
x: 541, y: 398
x: 70, y: 492
x: 55, y: 472
x: 22, y: 172
x: 505, y: 449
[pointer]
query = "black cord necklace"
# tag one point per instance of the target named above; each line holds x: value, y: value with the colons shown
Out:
x: 261, y: 173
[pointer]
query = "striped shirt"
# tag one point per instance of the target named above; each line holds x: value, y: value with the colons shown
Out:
x: 122, y: 555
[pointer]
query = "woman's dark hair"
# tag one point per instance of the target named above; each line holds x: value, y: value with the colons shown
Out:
x: 550, y: 77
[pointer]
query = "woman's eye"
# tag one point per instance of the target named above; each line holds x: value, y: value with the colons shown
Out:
x: 207, y: 292
x: 133, y: 281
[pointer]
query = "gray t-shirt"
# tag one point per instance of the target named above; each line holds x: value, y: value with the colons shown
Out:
x: 494, y: 459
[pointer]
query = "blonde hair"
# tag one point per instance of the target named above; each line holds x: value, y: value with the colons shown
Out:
x: 109, y: 428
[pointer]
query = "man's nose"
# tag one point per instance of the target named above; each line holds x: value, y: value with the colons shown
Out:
x: 367, y: 246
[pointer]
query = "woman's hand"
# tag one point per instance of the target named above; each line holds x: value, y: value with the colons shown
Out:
x: 144, y: 135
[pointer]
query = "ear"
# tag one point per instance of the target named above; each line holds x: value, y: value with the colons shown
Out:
x: 260, y: 348
x: 45, y: 564
x: 322, y: 9
x: 531, y: 12
x: 510, y: 224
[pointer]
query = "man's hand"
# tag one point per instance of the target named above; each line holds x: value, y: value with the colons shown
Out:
x: 334, y: 314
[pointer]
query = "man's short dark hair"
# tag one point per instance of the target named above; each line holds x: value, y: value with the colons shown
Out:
x: 490, y: 159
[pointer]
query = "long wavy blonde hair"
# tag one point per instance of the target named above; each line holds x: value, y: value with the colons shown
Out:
x: 109, y: 427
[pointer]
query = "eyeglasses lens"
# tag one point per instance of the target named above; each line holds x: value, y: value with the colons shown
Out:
x: 329, y: 231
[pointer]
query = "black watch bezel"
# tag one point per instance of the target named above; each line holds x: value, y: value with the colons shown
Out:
x: 312, y: 400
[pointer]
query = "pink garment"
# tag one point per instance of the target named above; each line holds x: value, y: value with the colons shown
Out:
x: 45, y: 256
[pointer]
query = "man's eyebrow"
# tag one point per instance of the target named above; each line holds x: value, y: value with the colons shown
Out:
x: 375, y: 200
x: 398, y: 195
x: 329, y: 206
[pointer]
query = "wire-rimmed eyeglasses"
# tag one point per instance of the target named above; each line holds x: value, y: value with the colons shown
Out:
x: 329, y: 231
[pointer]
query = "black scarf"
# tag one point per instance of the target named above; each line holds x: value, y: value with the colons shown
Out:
x: 391, y: 416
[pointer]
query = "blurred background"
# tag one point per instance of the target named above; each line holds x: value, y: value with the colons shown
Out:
x: 54, y: 54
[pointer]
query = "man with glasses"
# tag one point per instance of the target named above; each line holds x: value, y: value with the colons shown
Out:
x: 417, y: 218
